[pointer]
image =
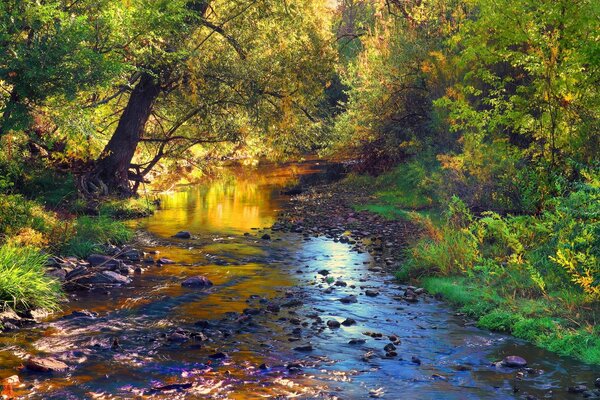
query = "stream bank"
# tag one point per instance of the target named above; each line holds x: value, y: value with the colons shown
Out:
x: 289, y: 315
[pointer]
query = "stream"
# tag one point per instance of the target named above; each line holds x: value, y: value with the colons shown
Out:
x: 264, y: 329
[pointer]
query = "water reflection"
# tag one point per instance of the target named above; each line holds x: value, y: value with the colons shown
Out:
x: 236, y: 319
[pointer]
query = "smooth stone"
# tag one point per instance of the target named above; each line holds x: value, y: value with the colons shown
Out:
x: 266, y: 236
x: 196, y: 282
x: 349, y: 322
x: 304, y: 348
x: 514, y: 362
x: 332, y: 323
x: 165, y: 260
x: 49, y: 364
x: 371, y: 293
x: 349, y: 299
x: 183, y: 235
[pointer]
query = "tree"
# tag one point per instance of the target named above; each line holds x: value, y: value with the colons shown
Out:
x: 259, y: 61
x: 50, y: 49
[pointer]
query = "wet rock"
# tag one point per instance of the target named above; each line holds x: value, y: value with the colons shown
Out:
x: 78, y: 271
x: 333, y: 324
x: 263, y: 367
x: 357, y: 341
x: 349, y: 322
x: 577, y: 389
x: 292, y: 303
x: 597, y: 383
x: 178, y: 337
x: 341, y: 284
x: 165, y: 261
x: 183, y: 235
x: 107, y: 262
x: 48, y: 364
x: 349, y: 299
x: 514, y: 362
x: 394, y: 339
x: 371, y: 293
x: 107, y: 278
x: 218, y: 356
x: 168, y: 388
x: 252, y: 311
x: 266, y: 236
x: 204, y: 324
x: 197, y: 282
x: 323, y: 272
x: 133, y: 255
x: 57, y: 273
x: 389, y: 347
x: 83, y: 314
x: 415, y: 360
x: 304, y: 348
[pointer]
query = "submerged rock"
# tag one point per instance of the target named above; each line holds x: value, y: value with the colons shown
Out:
x: 197, y: 282
x: 349, y: 299
x: 514, y: 362
x: 49, y: 364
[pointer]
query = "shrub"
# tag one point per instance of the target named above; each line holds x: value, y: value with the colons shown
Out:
x: 499, y: 320
x: 23, y: 283
x: 127, y: 209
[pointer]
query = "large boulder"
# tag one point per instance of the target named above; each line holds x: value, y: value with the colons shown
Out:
x: 197, y: 282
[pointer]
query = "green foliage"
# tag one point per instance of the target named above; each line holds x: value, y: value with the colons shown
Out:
x: 17, y: 213
x: 23, y: 283
x: 93, y: 232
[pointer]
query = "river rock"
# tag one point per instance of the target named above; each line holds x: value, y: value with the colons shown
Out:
x: 197, y: 282
x: 349, y: 322
x: 597, y: 383
x: 371, y: 293
x: 183, y: 235
x: 80, y: 270
x: 57, y: 273
x: 107, y: 278
x: 304, y: 348
x: 49, y: 364
x: 333, y: 324
x: 266, y: 236
x: 165, y: 261
x: 577, y: 389
x: 349, y: 299
x: 133, y: 255
x: 105, y: 261
x: 514, y: 362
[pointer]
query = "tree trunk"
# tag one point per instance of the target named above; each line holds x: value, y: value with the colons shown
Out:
x: 112, y: 168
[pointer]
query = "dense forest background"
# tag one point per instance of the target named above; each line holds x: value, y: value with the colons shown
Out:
x: 478, y: 120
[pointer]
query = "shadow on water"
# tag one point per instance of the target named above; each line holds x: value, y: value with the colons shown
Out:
x: 240, y: 339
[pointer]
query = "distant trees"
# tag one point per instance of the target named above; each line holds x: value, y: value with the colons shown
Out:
x: 504, y: 93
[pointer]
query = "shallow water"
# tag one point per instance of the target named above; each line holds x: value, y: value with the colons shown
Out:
x: 250, y: 273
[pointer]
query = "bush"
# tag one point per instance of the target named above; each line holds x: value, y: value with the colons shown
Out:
x: 17, y: 213
x: 23, y: 283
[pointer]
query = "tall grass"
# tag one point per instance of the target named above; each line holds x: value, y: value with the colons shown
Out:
x: 92, y: 233
x: 23, y: 283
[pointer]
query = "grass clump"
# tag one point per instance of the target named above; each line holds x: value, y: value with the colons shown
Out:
x: 127, y: 208
x: 23, y: 283
x: 93, y: 232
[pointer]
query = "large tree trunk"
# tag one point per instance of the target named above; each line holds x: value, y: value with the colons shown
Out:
x: 112, y: 168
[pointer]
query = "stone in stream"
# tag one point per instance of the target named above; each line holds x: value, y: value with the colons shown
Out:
x: 266, y: 236
x: 349, y: 322
x: 357, y: 341
x: 323, y: 272
x: 371, y: 293
x: 597, y: 383
x: 197, y: 282
x: 389, y: 347
x: 304, y: 348
x: 349, y: 299
x: 165, y: 261
x: 332, y: 323
x: 107, y: 262
x: 218, y: 356
x: 183, y: 235
x: 577, y: 389
x: 48, y: 364
x: 105, y: 278
x: 514, y: 362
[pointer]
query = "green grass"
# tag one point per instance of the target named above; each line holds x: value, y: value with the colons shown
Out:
x: 127, y: 209
x: 23, y: 283
x: 92, y: 233
x: 406, y: 192
x: 535, y: 323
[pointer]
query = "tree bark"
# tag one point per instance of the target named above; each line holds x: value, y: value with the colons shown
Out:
x: 112, y: 168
